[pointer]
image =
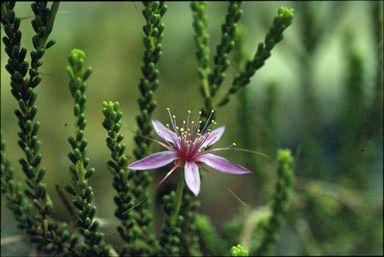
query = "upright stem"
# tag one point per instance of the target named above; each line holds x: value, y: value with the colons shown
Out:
x: 179, y: 196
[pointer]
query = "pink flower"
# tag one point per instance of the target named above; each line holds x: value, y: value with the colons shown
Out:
x: 186, y: 146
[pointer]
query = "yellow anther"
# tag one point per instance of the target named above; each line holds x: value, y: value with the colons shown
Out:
x: 200, y: 122
x: 200, y: 112
x: 168, y: 109
x: 174, y: 116
x: 213, y: 111
x: 184, y: 122
x: 167, y: 125
x: 189, y: 111
x: 234, y: 144
x: 192, y: 122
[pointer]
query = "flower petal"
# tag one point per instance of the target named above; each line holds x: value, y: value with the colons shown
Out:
x: 214, y: 136
x: 222, y: 164
x: 192, y: 177
x: 163, y: 131
x: 153, y: 161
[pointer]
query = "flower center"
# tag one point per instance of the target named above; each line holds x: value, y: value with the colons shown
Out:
x: 190, y: 138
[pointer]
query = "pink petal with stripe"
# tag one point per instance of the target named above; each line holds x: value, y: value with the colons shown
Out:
x: 192, y: 177
x: 221, y: 164
x: 153, y: 161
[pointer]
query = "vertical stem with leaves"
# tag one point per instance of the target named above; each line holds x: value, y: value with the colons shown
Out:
x: 82, y: 192
x: 46, y: 234
x: 271, y: 226
x: 121, y: 175
x: 154, y: 28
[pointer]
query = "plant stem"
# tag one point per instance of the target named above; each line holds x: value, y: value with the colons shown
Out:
x: 179, y: 196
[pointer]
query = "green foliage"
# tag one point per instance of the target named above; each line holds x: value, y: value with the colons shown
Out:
x: 212, y: 242
x: 83, y: 194
x: 352, y: 113
x: 182, y: 227
x: 46, y: 234
x: 121, y: 175
x: 270, y: 118
x: 271, y: 225
x: 153, y: 12
x: 171, y: 231
x: 189, y: 243
x: 227, y: 43
x: 238, y: 250
x: 154, y: 28
x: 274, y: 36
x: 200, y: 23
x: 314, y: 153
x: 376, y: 108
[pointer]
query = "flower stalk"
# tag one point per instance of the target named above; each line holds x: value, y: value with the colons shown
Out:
x: 179, y: 196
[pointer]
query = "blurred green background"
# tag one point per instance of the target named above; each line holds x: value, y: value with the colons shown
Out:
x: 334, y: 210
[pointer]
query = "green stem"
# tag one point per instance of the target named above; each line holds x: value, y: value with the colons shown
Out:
x: 179, y: 196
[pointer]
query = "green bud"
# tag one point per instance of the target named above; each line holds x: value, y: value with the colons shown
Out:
x: 41, y: 174
x: 37, y: 203
x: 87, y: 73
x: 89, y: 173
x: 70, y: 190
x: 70, y: 72
x: 49, y: 247
x: 83, y: 184
x: 41, y: 190
x: 87, y: 222
x: 238, y: 251
x: 50, y: 44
